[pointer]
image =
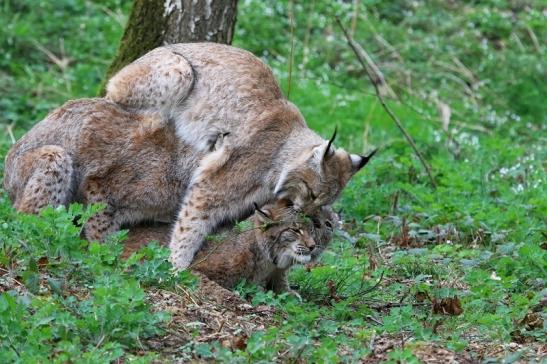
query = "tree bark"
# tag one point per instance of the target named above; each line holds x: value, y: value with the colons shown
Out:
x: 153, y: 23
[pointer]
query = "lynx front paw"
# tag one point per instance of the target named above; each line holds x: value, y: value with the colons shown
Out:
x: 181, y: 260
x: 294, y: 294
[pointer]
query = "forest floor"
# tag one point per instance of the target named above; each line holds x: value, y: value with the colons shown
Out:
x: 417, y: 273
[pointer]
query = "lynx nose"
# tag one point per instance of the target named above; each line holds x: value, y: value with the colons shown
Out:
x: 310, y: 244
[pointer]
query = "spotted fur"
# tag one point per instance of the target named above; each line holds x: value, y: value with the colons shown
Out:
x: 94, y: 151
x: 191, y: 133
x: 268, y: 153
x: 263, y: 254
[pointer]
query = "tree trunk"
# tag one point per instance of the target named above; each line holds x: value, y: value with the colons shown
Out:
x: 153, y: 23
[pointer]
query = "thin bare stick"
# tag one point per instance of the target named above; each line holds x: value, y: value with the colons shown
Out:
x: 383, y: 42
x: 375, y: 75
x: 61, y: 62
x: 354, y: 16
x: 375, y: 320
x: 291, y: 55
x: 306, y: 47
x: 9, y: 129
x: 534, y: 39
x: 362, y: 56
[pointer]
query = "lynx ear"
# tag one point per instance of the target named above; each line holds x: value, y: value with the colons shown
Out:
x: 263, y: 216
x: 329, y: 151
x: 358, y: 161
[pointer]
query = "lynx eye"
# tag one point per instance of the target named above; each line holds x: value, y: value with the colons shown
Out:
x: 288, y: 235
x: 329, y: 224
x: 316, y: 222
x: 309, y: 190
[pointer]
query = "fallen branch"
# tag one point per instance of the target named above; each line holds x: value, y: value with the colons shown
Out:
x: 377, y: 79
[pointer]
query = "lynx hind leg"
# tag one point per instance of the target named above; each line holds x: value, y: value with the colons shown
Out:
x: 140, y: 236
x: 105, y: 222
x: 211, y: 290
x: 158, y: 81
x: 49, y: 180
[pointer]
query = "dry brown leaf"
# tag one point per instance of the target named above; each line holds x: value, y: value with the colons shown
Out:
x: 532, y: 320
x: 447, y: 306
x: 236, y: 342
x: 421, y: 296
x: 42, y: 262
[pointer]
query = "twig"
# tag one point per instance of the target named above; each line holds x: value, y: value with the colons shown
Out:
x: 13, y: 348
x: 62, y: 62
x: 465, y: 70
x: 368, y: 290
x: 306, y: 48
x: 383, y: 42
x: 406, y: 104
x: 518, y: 41
x: 534, y: 39
x: 9, y: 129
x: 375, y: 320
x: 187, y: 294
x: 291, y: 55
x: 371, y: 342
x: 376, y: 76
x: 221, y: 325
x: 117, y: 17
x: 354, y: 16
x: 362, y: 56
x: 366, y: 131
x: 455, y: 122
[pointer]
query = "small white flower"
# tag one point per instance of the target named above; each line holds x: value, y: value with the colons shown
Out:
x: 494, y: 276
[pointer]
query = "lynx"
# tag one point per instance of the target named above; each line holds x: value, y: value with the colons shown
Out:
x: 209, y: 140
x: 263, y: 254
x: 204, y: 90
x: 93, y: 151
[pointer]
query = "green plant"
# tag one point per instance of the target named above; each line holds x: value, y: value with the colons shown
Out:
x: 478, y: 238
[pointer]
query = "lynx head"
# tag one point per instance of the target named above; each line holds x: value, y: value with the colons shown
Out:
x: 324, y: 221
x: 317, y: 177
x: 287, y: 238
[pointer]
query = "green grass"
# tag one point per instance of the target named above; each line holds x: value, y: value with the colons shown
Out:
x: 479, y: 237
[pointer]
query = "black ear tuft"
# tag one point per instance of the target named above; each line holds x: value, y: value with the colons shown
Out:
x: 366, y: 158
x: 359, y: 161
x: 326, y: 154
